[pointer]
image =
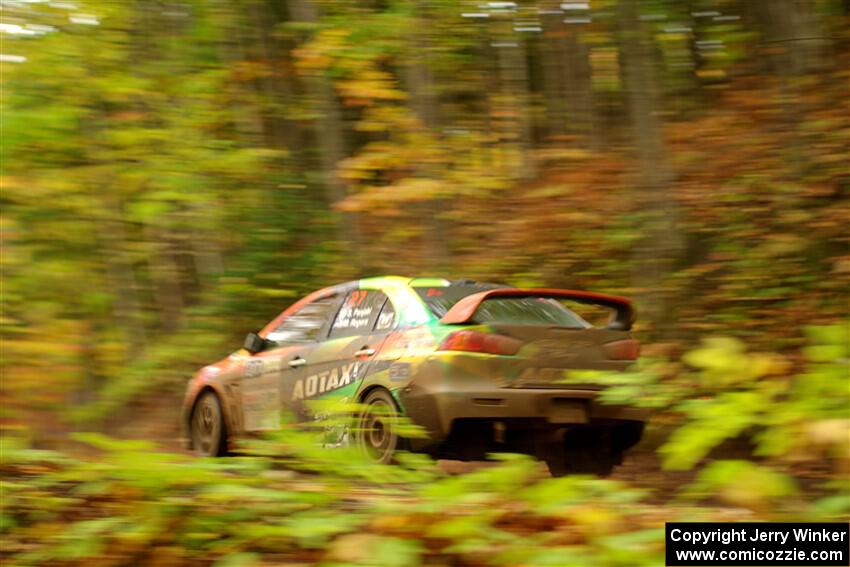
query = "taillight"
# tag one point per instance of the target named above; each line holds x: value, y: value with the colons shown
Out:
x: 627, y: 349
x: 488, y: 343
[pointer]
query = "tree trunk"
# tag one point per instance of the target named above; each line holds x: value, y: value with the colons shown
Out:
x: 329, y: 132
x: 166, y: 275
x: 122, y: 281
x: 796, y: 48
x: 792, y: 35
x: 423, y: 100
x: 554, y: 80
x: 579, y: 87
x: 655, y: 251
x: 271, y: 89
x: 513, y: 75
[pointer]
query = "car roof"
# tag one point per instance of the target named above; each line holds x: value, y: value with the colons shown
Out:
x: 381, y: 282
x: 400, y: 290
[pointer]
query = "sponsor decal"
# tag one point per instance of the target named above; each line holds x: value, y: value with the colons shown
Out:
x: 253, y: 368
x: 409, y: 343
x: 356, y: 313
x: 400, y: 371
x: 261, y: 404
x: 259, y: 366
x: 327, y: 381
x: 385, y: 319
x: 353, y: 318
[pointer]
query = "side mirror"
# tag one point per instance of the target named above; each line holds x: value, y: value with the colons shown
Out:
x: 254, y: 343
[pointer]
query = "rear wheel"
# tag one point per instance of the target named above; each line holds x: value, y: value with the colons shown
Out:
x: 588, y: 461
x: 583, y: 451
x: 207, y: 426
x: 376, y: 433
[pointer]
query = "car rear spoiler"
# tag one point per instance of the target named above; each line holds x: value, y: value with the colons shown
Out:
x: 624, y: 312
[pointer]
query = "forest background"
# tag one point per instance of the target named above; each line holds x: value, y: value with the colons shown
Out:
x: 174, y: 174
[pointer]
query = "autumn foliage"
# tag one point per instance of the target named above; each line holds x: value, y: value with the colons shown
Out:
x: 175, y: 174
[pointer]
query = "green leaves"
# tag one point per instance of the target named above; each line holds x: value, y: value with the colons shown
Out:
x: 743, y: 393
x: 723, y: 362
x: 174, y: 177
x: 831, y: 343
x: 372, y: 549
x: 709, y: 423
x: 743, y: 483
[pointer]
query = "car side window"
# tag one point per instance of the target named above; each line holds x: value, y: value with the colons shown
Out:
x: 358, y: 313
x: 306, y: 324
x: 386, y: 318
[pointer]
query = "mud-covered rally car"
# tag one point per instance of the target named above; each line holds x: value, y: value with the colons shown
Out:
x: 479, y: 366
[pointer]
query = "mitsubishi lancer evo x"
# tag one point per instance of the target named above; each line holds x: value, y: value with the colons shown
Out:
x: 480, y: 367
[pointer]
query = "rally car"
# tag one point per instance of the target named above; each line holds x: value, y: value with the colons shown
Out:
x: 480, y: 367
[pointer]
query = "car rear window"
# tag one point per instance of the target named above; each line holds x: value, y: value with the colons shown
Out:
x: 512, y: 310
x: 528, y: 311
x: 440, y: 299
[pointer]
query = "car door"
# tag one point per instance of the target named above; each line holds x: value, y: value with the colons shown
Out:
x: 271, y: 377
x: 339, y: 364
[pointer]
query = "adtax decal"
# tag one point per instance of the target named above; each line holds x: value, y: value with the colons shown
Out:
x: 326, y: 381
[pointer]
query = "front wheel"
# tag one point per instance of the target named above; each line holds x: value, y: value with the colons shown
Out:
x: 376, y: 432
x: 207, y: 427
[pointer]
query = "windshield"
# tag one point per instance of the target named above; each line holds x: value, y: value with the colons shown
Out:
x: 513, y: 310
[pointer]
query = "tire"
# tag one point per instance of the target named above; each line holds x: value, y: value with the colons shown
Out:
x: 564, y: 462
x: 583, y: 451
x: 209, y: 438
x: 375, y: 432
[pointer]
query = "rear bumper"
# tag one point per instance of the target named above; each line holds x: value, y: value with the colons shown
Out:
x: 439, y: 395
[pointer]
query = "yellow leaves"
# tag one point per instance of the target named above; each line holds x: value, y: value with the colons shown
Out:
x: 322, y: 52
x: 28, y: 190
x: 711, y: 74
x: 742, y: 483
x: 395, y: 523
x: 673, y: 37
x: 311, y: 61
x: 593, y: 519
x: 841, y: 265
x: 549, y: 191
x: 352, y: 548
x: 388, y: 118
x: 369, y: 86
x: 606, y: 68
x: 830, y: 437
x: 244, y: 71
x: 559, y: 154
x: 779, y: 245
x: 724, y: 362
x: 364, y: 82
x: 379, y: 157
x: 410, y: 190
x: 10, y: 182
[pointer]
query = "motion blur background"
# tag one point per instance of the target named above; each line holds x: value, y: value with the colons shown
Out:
x: 174, y: 174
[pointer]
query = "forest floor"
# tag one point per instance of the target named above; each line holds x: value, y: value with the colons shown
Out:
x: 641, y: 467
